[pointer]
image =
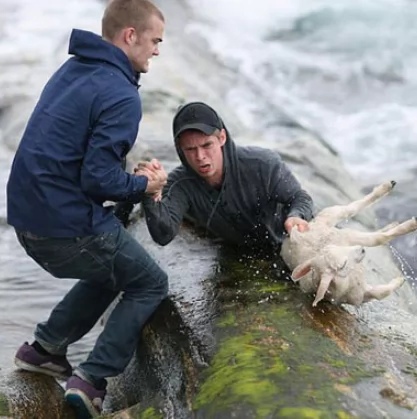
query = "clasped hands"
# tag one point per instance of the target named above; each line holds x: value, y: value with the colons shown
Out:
x: 157, y: 177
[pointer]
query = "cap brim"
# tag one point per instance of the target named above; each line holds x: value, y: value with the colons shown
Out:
x: 204, y: 128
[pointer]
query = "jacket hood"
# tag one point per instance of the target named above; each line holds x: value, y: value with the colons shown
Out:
x: 229, y: 148
x: 90, y: 46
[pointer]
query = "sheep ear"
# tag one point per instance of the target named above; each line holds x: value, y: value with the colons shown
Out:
x: 301, y: 270
x: 322, y: 288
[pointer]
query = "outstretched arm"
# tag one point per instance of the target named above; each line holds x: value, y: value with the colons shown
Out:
x: 164, y: 216
x: 286, y: 190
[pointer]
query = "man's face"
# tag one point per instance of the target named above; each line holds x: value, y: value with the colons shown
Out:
x: 145, y: 45
x: 204, y: 154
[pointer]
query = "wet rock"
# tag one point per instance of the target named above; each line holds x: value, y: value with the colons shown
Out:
x: 26, y: 395
x: 273, y: 356
x: 398, y: 398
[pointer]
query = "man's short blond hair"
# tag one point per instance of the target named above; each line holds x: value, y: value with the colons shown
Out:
x: 120, y: 14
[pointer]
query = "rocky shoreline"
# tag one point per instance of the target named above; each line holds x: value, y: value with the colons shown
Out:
x: 236, y: 338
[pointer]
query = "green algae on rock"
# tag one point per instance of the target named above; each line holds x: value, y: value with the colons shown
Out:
x: 272, y: 354
x: 4, y: 406
x: 306, y: 413
x: 262, y: 364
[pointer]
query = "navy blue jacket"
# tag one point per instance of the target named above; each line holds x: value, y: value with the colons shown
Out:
x: 69, y: 160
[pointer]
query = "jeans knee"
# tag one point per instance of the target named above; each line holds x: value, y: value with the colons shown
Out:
x: 159, y: 284
x: 163, y: 284
x: 154, y: 283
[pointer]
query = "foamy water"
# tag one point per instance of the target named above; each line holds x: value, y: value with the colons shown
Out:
x: 33, y: 39
x: 344, y: 69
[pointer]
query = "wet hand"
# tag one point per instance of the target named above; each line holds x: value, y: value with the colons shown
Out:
x: 299, y: 223
x: 157, y: 177
x: 152, y: 165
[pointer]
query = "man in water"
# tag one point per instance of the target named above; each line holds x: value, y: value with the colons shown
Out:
x: 68, y: 163
x: 244, y: 195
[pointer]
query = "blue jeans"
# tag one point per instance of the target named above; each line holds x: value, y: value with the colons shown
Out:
x: 105, y: 265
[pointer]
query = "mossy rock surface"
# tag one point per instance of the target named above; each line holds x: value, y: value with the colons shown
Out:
x: 272, y: 355
x: 269, y: 360
x: 4, y: 406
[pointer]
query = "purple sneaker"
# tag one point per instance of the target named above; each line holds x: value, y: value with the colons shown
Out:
x: 84, y: 398
x: 29, y: 359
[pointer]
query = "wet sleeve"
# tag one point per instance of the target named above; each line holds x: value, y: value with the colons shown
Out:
x: 164, y: 218
x: 113, y: 135
x: 122, y: 211
x: 287, y: 191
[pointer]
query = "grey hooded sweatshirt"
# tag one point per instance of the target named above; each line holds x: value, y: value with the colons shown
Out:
x: 257, y: 195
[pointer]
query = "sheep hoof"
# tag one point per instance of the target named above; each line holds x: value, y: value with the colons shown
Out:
x: 393, y: 183
x: 398, y: 282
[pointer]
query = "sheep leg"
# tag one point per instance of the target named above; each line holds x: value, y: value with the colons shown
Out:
x: 389, y: 226
x: 332, y: 215
x: 378, y: 238
x: 382, y: 291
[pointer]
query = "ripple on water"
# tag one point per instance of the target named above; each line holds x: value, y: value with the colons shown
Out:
x: 27, y: 295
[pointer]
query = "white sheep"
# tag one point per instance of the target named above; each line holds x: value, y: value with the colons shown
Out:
x: 326, y: 260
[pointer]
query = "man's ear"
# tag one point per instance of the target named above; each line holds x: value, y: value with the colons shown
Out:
x: 301, y: 270
x: 129, y: 36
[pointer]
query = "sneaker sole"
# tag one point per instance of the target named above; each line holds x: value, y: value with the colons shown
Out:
x: 81, y: 404
x: 33, y: 368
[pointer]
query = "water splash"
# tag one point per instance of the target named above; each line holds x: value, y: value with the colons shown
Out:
x: 405, y: 267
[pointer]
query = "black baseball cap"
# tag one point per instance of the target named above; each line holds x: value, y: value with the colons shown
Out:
x: 197, y: 116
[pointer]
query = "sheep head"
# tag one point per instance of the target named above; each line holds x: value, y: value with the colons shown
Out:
x: 334, y: 261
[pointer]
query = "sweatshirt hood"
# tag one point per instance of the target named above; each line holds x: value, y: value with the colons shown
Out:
x: 88, y: 45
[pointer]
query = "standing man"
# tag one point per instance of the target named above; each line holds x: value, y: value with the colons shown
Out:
x: 68, y: 163
x: 246, y: 196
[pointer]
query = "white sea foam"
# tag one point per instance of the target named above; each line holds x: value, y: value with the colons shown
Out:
x: 33, y: 41
x: 34, y: 35
x: 345, y: 69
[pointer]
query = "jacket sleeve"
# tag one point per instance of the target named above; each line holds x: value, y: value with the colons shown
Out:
x: 163, y: 218
x: 286, y: 190
x: 113, y: 135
